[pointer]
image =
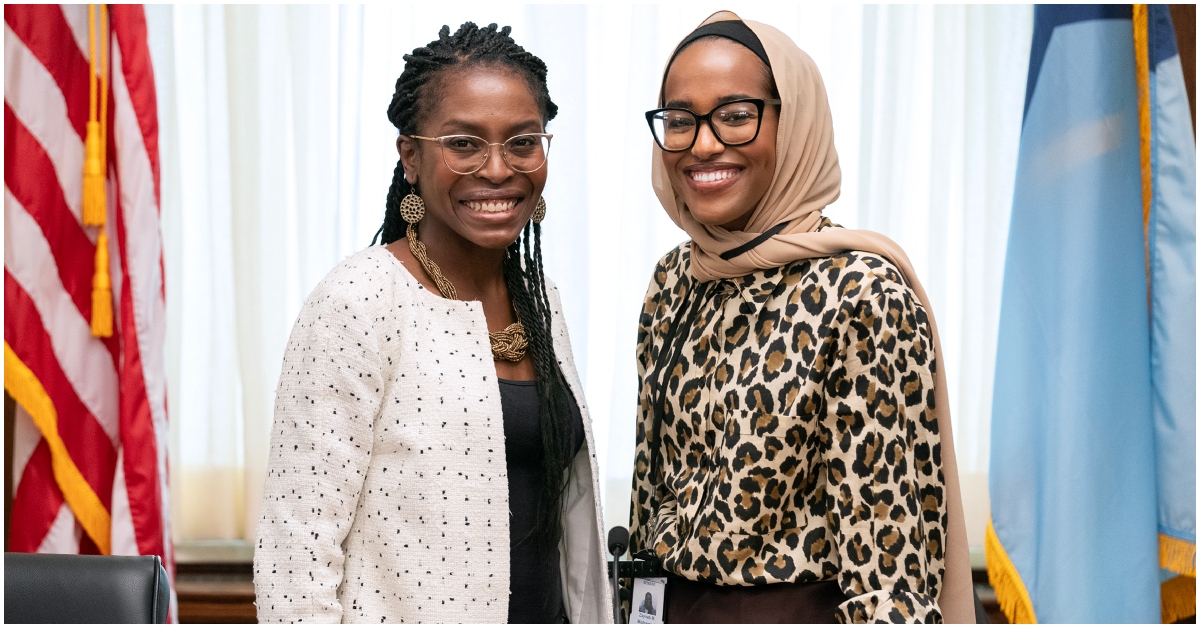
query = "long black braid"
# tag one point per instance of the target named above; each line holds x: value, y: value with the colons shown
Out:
x: 417, y: 91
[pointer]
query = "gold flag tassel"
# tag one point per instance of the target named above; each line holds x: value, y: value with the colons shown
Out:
x: 95, y: 172
x: 94, y: 206
x: 102, y: 314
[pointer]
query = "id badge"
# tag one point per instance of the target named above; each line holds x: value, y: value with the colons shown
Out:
x: 649, y: 596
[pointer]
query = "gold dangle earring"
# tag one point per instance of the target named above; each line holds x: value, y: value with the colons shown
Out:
x: 539, y: 211
x: 412, y: 208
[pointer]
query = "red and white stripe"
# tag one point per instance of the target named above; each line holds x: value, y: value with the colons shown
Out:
x: 109, y: 394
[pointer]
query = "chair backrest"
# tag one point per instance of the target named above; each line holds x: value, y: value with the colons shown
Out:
x: 69, y: 588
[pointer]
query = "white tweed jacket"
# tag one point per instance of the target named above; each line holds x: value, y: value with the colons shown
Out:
x: 386, y: 498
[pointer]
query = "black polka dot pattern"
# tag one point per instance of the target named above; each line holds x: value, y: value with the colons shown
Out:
x: 386, y: 497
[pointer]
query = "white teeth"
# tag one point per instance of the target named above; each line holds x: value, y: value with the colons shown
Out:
x: 492, y: 206
x: 712, y: 175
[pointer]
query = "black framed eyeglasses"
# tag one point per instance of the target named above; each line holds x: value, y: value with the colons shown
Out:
x: 466, y: 154
x: 675, y: 129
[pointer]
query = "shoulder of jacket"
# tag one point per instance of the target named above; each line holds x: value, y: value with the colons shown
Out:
x: 678, y: 260
x: 672, y: 265
x: 366, y: 280
x: 862, y: 275
x: 862, y: 265
x: 551, y: 287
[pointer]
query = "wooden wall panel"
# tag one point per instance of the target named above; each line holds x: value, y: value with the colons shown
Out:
x: 1184, y: 17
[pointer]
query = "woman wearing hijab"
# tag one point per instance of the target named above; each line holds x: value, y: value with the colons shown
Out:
x: 794, y: 460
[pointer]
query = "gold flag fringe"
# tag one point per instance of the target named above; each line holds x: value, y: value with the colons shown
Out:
x: 1141, y: 54
x: 23, y: 386
x: 1010, y: 590
x: 1177, y: 555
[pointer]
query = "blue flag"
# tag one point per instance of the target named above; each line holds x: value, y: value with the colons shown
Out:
x: 1092, y: 475
x: 1171, y: 238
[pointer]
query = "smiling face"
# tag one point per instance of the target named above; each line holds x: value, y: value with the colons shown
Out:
x: 489, y: 207
x: 721, y: 185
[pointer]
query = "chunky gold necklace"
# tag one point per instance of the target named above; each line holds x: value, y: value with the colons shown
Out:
x: 508, y: 345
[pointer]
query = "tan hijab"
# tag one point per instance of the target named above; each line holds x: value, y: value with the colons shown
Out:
x: 807, y: 178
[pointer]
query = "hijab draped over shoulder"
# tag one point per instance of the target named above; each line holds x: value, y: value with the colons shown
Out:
x: 781, y: 230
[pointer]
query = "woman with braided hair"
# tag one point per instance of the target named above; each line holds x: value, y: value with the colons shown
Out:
x: 431, y: 455
x: 793, y: 461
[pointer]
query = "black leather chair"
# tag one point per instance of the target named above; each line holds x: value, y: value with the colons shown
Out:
x: 68, y: 588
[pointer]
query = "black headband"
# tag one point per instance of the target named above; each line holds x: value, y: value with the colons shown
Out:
x: 734, y: 30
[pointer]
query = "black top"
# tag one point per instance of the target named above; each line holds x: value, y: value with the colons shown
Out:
x: 535, y: 590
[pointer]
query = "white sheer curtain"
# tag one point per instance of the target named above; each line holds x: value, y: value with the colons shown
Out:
x: 277, y: 155
x: 942, y: 97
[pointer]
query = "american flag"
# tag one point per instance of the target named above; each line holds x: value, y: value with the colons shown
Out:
x: 90, y: 445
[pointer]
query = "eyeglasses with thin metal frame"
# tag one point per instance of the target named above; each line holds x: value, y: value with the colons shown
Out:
x: 466, y: 154
x: 729, y: 122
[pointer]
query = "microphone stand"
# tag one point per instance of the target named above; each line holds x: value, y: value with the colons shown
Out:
x: 618, y: 541
x: 616, y: 590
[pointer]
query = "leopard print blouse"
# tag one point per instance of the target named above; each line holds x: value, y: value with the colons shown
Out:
x: 797, y: 440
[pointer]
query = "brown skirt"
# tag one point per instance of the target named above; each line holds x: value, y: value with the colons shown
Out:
x: 691, y: 602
